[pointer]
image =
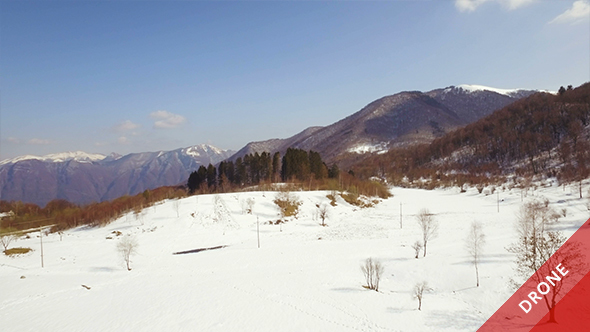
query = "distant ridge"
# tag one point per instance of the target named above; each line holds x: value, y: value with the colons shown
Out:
x: 82, y: 178
x: 58, y: 157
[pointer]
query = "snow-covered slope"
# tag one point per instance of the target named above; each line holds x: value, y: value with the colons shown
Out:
x: 304, y: 277
x: 474, y: 88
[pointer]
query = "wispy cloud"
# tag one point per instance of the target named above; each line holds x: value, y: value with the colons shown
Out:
x: 471, y: 5
x: 468, y: 5
x: 167, y: 120
x: 126, y: 125
x: 13, y: 140
x: 38, y: 141
x: 123, y: 140
x: 580, y: 11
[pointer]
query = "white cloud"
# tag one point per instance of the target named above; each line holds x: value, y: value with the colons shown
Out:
x: 515, y: 4
x: 468, y: 5
x: 13, y: 140
x: 38, y: 141
x: 167, y: 120
x: 580, y: 10
x: 126, y: 126
x: 471, y: 5
x: 123, y: 140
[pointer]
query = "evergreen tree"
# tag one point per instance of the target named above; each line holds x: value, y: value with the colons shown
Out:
x: 295, y: 165
x: 240, y: 172
x: 317, y: 166
x: 229, y: 171
x: 276, y: 166
x: 211, y: 177
x: 334, y: 172
x: 202, y: 177
x: 221, y: 177
x: 193, y: 182
x: 265, y: 166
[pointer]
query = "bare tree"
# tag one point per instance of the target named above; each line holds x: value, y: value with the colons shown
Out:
x: 537, y: 245
x: 428, y: 225
x: 323, y: 213
x: 7, y: 236
x: 474, y: 244
x: 127, y: 247
x: 417, y: 246
x: 419, y: 290
x: 138, y: 213
x: 372, y: 269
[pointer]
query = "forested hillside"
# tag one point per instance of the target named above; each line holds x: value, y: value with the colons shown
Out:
x: 543, y: 134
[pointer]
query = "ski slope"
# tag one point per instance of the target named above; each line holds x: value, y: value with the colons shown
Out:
x: 304, y: 277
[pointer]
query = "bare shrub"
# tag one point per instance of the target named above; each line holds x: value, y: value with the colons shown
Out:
x: 323, y: 213
x: 419, y: 290
x: 428, y: 225
x: 127, y: 246
x: 417, y: 246
x: 288, y: 204
x: 372, y: 269
x: 479, y: 187
x: 250, y: 205
x: 332, y: 197
x: 247, y: 205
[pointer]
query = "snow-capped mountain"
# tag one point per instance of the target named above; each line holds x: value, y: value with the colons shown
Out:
x: 78, y: 156
x: 404, y: 118
x: 515, y: 93
x: 83, y: 178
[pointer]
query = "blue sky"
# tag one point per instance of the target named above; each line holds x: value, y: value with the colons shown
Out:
x: 133, y: 76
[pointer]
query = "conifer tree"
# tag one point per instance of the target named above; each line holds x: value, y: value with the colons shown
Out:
x: 211, y: 177
x: 276, y: 166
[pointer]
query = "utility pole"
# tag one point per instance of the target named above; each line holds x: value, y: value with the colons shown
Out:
x: 41, y: 238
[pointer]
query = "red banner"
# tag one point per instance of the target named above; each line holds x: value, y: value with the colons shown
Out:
x: 562, y: 284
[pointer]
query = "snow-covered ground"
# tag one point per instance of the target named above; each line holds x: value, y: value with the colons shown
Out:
x: 304, y: 277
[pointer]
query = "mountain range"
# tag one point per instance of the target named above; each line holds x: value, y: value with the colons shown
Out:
x: 84, y: 178
x: 401, y: 119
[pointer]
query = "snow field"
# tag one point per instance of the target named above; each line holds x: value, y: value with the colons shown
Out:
x: 305, y: 277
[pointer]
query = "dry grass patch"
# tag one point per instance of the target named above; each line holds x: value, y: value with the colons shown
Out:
x: 17, y: 251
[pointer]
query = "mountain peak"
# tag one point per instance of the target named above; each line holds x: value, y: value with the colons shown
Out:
x: 197, y: 150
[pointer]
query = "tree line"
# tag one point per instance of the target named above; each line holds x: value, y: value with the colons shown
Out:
x: 63, y: 214
x: 296, y: 165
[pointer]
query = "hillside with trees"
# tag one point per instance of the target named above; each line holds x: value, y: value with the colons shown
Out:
x: 544, y: 134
